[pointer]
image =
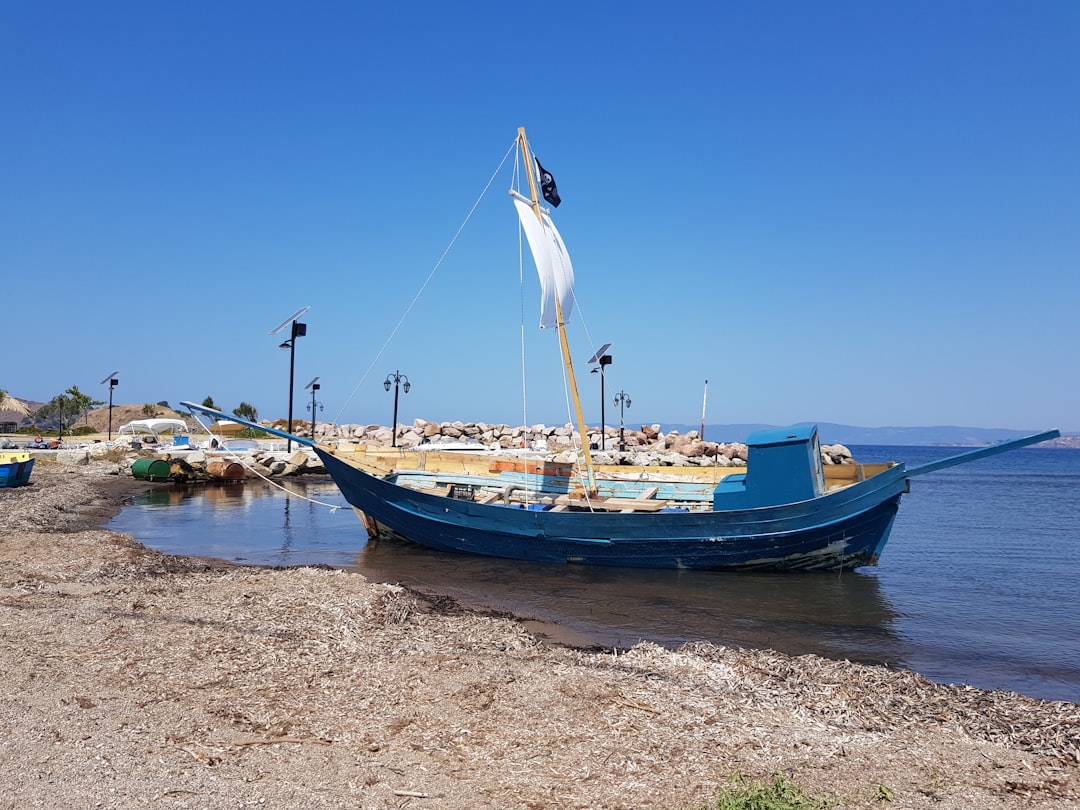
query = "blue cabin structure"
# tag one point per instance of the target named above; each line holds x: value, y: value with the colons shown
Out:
x: 783, y: 466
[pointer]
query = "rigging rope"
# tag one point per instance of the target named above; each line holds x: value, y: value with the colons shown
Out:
x: 577, y: 466
x: 424, y: 286
x: 333, y: 507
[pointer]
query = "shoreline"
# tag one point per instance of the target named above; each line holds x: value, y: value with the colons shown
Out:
x: 139, y: 678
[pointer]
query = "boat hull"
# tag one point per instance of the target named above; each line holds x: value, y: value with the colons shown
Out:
x: 841, y: 530
x: 15, y: 469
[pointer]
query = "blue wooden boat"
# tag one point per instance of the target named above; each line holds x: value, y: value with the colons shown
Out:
x: 779, y: 514
x: 15, y: 468
x: 776, y: 515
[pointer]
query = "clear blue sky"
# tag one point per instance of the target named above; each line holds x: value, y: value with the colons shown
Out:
x: 855, y: 212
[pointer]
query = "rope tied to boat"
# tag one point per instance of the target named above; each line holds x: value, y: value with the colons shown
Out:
x: 232, y: 455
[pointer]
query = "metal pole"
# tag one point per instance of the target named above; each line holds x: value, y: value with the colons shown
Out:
x: 313, y: 413
x: 704, y: 399
x: 603, y: 360
x: 623, y: 401
x: 298, y: 330
x: 622, y: 427
x: 110, y: 409
x: 603, y: 399
x: 393, y: 427
x: 292, y: 369
x: 396, y: 379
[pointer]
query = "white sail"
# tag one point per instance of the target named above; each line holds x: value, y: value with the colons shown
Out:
x: 552, y: 261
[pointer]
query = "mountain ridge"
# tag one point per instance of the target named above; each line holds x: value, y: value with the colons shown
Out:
x: 830, y: 432
x: 834, y: 433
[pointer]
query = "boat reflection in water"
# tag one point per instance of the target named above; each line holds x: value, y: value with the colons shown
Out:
x: 836, y: 615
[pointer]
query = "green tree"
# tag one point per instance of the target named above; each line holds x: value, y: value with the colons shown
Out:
x: 56, y: 413
x: 80, y: 403
x: 64, y: 410
x: 246, y: 411
x: 150, y: 410
x: 209, y: 403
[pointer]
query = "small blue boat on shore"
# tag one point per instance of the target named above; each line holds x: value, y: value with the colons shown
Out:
x: 15, y: 468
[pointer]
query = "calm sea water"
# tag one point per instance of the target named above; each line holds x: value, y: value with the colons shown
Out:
x: 977, y: 584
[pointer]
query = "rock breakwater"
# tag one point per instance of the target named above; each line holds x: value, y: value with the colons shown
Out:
x: 648, y: 446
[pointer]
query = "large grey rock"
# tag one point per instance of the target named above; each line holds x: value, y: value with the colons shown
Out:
x: 72, y: 458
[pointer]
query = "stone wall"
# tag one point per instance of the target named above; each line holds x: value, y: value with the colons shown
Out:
x: 647, y: 445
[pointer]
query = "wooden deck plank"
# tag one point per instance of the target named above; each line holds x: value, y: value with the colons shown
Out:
x: 611, y: 504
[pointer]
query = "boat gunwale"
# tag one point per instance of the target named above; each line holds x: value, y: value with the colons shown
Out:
x: 430, y: 504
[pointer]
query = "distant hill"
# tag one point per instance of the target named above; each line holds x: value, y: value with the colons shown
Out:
x: 830, y: 432
x: 98, y: 418
x: 849, y: 434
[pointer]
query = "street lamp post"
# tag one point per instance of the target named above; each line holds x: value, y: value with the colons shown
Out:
x: 602, y: 358
x: 313, y: 386
x: 623, y: 401
x: 113, y: 382
x: 298, y: 330
x: 396, y: 379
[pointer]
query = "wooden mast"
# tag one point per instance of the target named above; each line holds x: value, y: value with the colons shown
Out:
x: 560, y: 326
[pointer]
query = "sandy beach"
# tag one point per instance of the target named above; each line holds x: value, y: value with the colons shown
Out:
x: 133, y: 679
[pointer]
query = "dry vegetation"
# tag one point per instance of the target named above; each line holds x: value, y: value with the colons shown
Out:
x: 133, y: 679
